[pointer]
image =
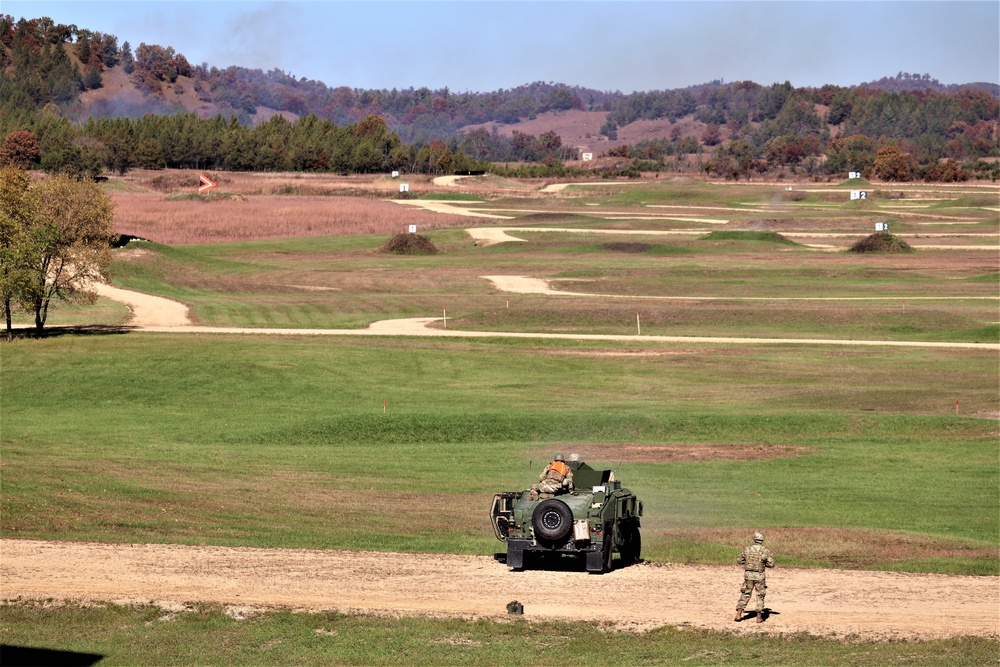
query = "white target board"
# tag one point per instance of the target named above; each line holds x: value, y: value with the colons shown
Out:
x: 858, y: 194
x: 413, y: 229
x: 854, y: 174
x: 404, y: 187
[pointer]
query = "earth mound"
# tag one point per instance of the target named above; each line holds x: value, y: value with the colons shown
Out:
x: 627, y: 247
x: 736, y: 235
x: 550, y: 217
x: 409, y: 244
x: 881, y: 242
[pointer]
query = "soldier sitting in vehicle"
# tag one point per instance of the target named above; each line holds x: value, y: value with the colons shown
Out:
x: 555, y: 479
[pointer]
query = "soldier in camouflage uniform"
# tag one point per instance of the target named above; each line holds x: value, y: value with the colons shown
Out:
x: 755, y: 559
x: 556, y: 478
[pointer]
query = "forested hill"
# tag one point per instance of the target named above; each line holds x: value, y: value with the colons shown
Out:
x: 63, y: 82
x: 88, y: 73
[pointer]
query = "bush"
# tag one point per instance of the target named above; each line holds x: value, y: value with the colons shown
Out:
x: 881, y: 242
x: 409, y: 244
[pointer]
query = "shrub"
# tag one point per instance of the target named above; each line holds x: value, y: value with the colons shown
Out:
x: 881, y: 242
x: 409, y: 244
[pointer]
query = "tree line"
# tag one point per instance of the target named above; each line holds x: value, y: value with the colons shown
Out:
x: 310, y: 143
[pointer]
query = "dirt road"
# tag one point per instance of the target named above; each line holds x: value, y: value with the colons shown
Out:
x: 872, y: 605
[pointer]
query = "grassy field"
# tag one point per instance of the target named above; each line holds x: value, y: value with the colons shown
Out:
x: 687, y: 287
x: 209, y: 636
x: 870, y: 458
x: 94, y: 449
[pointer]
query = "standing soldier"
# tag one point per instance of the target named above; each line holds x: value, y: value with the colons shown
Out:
x: 754, y: 559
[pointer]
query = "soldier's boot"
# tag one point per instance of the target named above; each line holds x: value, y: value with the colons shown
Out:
x: 739, y: 615
x: 760, y: 616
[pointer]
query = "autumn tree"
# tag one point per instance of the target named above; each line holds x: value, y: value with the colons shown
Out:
x: 711, y: 136
x: 15, y: 222
x: 853, y: 153
x: 65, y: 245
x: 893, y: 164
x: 20, y: 149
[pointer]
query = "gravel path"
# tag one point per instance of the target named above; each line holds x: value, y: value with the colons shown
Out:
x: 871, y: 605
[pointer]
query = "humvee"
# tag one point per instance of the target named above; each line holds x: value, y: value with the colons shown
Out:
x: 597, y: 519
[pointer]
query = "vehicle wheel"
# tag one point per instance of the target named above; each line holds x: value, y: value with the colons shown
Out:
x: 552, y: 520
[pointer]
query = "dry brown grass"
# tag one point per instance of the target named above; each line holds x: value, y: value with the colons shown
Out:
x: 189, y: 221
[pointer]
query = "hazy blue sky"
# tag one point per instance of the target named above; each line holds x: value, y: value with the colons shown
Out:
x: 624, y: 46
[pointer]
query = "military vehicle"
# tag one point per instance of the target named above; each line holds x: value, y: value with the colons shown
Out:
x: 595, y: 520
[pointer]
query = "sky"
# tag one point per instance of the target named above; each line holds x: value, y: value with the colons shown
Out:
x: 614, y: 46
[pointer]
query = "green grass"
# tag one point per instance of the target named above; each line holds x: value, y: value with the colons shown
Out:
x: 451, y: 196
x: 252, y: 441
x: 343, y: 283
x: 169, y: 438
x: 207, y: 635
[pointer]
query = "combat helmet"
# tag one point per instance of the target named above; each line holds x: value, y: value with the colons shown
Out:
x: 758, y: 537
x: 559, y: 457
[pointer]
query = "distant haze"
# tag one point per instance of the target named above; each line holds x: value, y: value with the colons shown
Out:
x: 626, y: 46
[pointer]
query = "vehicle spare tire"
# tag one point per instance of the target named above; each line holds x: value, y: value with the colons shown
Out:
x: 552, y: 520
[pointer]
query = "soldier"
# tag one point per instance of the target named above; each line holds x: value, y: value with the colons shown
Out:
x: 754, y: 559
x: 556, y: 478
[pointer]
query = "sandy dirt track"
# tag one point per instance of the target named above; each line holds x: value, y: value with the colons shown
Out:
x: 872, y: 605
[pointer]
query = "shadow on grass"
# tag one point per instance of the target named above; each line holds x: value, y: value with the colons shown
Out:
x: 24, y: 656
x: 556, y: 562
x: 78, y: 330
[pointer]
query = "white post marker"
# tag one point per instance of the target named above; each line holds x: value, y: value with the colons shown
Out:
x: 444, y: 316
x: 638, y: 327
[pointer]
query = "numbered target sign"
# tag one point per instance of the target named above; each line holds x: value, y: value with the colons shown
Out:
x: 404, y: 187
x: 858, y: 194
x: 395, y: 174
x: 881, y: 226
x: 413, y: 229
x: 854, y: 174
